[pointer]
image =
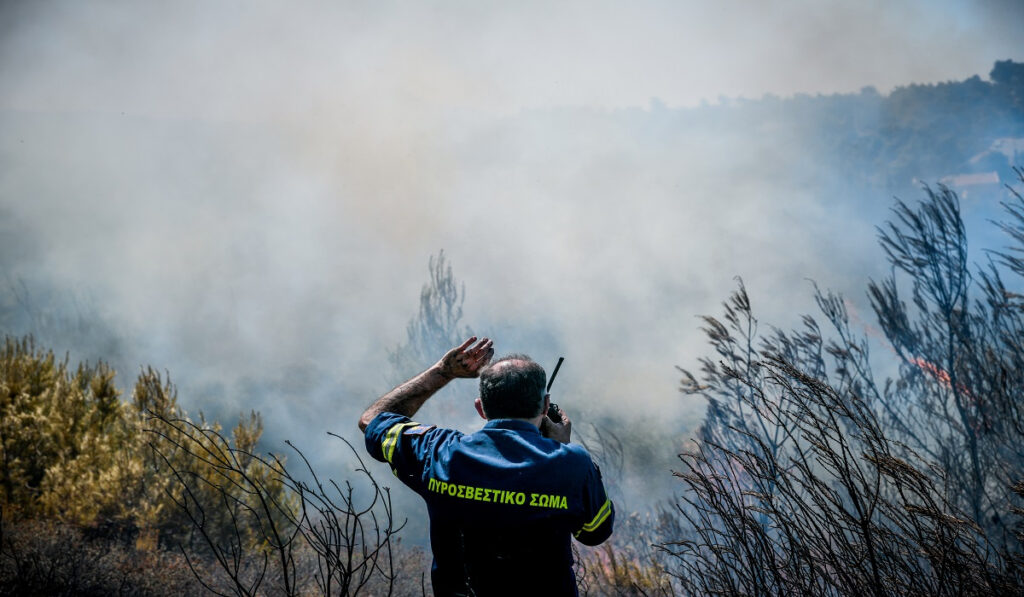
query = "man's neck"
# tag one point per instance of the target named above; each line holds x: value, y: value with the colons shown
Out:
x: 535, y: 421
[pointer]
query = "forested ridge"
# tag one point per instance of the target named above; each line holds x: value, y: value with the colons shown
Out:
x: 881, y: 142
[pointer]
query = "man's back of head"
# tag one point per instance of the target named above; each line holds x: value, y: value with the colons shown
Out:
x: 512, y: 387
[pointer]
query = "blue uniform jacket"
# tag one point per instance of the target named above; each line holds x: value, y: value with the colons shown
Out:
x: 502, y: 502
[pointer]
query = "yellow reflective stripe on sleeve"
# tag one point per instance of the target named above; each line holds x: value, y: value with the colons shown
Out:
x: 391, y: 439
x: 602, y: 514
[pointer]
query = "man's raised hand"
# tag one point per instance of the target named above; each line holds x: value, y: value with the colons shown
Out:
x: 464, y: 361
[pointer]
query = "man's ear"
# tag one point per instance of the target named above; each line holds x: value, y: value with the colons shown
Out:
x: 547, y: 404
x: 480, y: 408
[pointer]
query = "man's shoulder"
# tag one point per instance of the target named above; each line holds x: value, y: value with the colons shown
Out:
x: 394, y: 438
x: 391, y: 429
x: 578, y: 455
x: 386, y: 421
x: 569, y: 456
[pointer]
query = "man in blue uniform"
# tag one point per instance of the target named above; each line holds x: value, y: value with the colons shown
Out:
x: 503, y: 501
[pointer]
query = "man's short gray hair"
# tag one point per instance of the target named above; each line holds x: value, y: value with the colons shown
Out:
x: 513, y: 387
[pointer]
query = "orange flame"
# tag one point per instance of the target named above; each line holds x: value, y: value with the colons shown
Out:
x: 978, y: 421
x: 940, y: 374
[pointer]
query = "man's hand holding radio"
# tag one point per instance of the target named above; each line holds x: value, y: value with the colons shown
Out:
x: 559, y: 432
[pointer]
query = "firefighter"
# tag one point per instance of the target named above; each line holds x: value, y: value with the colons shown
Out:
x: 503, y: 501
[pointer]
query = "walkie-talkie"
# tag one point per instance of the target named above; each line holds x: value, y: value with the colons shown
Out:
x: 554, y: 413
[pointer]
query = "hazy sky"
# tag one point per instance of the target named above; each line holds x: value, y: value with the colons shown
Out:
x: 259, y: 60
x: 251, y: 190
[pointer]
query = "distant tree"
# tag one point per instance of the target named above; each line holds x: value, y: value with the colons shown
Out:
x: 435, y: 329
x: 1008, y: 72
x: 1009, y: 79
x: 437, y: 325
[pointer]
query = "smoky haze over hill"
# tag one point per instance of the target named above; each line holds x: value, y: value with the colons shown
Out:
x: 248, y: 195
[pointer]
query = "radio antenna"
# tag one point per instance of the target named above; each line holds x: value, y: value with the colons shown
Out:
x: 551, y: 380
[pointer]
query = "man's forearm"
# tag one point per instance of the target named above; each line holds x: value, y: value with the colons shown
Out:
x: 407, y: 398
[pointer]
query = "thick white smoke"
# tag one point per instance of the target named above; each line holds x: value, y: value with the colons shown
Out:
x: 247, y: 193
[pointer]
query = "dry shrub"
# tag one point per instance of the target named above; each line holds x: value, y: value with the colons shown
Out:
x: 261, y: 527
x: 810, y: 477
x: 53, y: 558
